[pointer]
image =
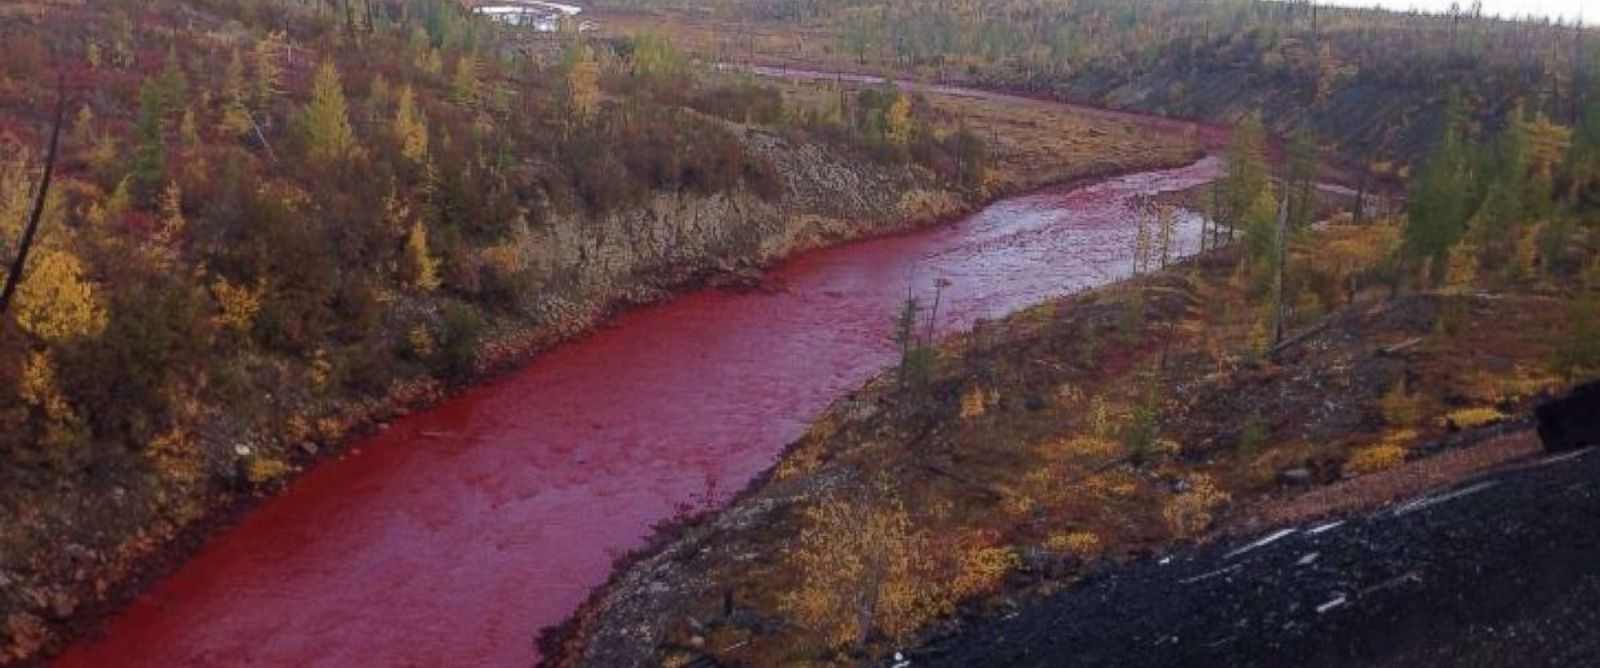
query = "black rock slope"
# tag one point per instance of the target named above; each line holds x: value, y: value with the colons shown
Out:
x: 1499, y: 571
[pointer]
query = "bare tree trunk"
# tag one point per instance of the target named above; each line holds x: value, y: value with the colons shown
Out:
x: 14, y: 278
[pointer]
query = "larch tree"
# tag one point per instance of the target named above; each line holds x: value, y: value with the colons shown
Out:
x: 410, y: 126
x: 897, y: 119
x: 464, y: 83
x: 582, y: 83
x: 268, y: 72
x: 418, y: 266
x: 235, y: 121
x: 325, y: 120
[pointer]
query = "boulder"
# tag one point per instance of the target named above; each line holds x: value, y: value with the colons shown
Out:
x: 1571, y: 421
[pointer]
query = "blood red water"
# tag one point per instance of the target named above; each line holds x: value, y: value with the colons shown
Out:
x: 450, y: 538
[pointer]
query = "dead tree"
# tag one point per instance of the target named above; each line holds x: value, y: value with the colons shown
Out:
x: 14, y: 278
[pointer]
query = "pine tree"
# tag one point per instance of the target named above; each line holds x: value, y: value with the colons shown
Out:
x: 1504, y: 206
x: 1436, y: 215
x: 173, y: 84
x: 1583, y: 160
x: 1247, y: 172
x: 1301, y: 181
x: 150, y: 158
x: 325, y: 119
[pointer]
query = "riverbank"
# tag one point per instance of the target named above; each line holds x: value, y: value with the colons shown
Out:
x: 1057, y: 444
x: 731, y: 239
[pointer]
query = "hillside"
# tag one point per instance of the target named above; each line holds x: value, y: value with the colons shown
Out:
x: 278, y: 225
x: 1368, y: 84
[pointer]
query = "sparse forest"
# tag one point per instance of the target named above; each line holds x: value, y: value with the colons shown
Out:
x: 1369, y: 83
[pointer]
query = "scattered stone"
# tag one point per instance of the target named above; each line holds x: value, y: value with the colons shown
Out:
x: 1296, y: 476
x: 309, y: 448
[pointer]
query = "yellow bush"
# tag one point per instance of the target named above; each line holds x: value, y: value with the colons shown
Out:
x: 261, y: 469
x: 176, y: 455
x: 39, y: 387
x: 1192, y: 512
x: 1069, y: 394
x: 297, y: 428
x: 1376, y: 458
x: 859, y: 554
x: 1083, y: 544
x: 1100, y: 417
x: 238, y: 304
x: 974, y: 403
x: 56, y: 299
x: 421, y: 341
x: 1470, y: 418
x: 982, y: 568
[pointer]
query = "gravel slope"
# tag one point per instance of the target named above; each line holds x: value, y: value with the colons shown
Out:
x: 1502, y: 570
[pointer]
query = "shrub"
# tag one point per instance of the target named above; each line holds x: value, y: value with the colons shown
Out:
x: 1376, y: 458
x: 1081, y: 544
x: 1192, y: 512
x: 1471, y: 418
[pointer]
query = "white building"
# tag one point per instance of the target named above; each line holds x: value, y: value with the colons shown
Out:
x: 535, y: 14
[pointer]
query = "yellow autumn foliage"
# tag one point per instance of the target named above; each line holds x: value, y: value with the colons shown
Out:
x: 1192, y: 512
x: 975, y: 403
x: 421, y: 269
x: 56, y: 300
x: 238, y: 304
x: 982, y: 568
x: 1082, y: 544
x: 1376, y: 458
x: 40, y: 389
x: 1470, y: 418
x: 176, y: 455
x: 860, y: 561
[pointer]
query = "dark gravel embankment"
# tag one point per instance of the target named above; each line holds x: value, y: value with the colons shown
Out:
x: 1500, y: 571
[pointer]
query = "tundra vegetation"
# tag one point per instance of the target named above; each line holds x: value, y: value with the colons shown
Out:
x: 1291, y: 370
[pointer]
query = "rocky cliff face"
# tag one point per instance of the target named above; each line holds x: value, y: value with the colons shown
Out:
x: 590, y: 266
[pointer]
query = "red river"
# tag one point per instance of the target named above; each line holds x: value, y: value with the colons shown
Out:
x: 452, y: 537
